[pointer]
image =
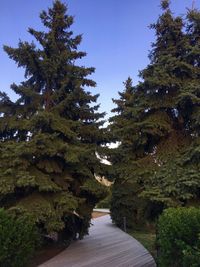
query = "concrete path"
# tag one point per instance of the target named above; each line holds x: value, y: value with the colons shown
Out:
x: 106, y: 246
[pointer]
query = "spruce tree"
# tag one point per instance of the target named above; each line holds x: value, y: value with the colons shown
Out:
x: 130, y: 163
x: 155, y: 140
x: 50, y: 135
x: 178, y: 181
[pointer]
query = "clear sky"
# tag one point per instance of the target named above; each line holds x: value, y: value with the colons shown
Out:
x: 116, y: 38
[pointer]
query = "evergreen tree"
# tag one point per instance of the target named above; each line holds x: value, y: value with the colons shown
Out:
x: 51, y: 134
x: 176, y: 182
x: 154, y: 171
x: 131, y: 165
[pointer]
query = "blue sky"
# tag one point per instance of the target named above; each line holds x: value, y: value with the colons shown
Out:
x: 116, y: 38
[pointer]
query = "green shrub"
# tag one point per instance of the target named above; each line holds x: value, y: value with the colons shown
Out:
x: 126, y: 203
x: 105, y: 203
x: 178, y: 238
x: 18, y: 239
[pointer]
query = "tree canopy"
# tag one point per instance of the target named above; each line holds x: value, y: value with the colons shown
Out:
x: 51, y: 134
x: 157, y: 125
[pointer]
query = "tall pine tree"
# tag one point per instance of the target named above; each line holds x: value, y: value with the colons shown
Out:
x: 176, y: 182
x: 153, y: 172
x: 130, y: 163
x: 51, y: 134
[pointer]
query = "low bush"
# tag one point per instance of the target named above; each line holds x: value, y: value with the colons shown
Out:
x: 18, y: 239
x: 105, y: 203
x: 126, y: 203
x: 178, y: 238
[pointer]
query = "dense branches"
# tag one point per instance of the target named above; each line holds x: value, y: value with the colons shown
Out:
x: 51, y: 134
x: 158, y: 126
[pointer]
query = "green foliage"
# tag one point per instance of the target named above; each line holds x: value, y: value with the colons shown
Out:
x: 51, y: 134
x: 106, y: 202
x: 96, y: 190
x: 178, y: 237
x: 19, y: 239
x: 156, y: 125
x: 125, y: 202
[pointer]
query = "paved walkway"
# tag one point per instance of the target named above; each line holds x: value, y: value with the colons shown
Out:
x: 102, y: 210
x: 106, y: 246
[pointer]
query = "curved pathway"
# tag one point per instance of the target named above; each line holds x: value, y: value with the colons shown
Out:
x: 106, y: 246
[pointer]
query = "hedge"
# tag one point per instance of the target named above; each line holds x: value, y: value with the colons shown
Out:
x: 18, y: 239
x: 178, y: 238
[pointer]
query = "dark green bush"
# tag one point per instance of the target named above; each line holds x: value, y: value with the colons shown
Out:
x: 126, y: 203
x: 178, y: 238
x: 105, y: 203
x: 18, y: 239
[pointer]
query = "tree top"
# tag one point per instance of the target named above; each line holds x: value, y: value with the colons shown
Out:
x: 165, y: 4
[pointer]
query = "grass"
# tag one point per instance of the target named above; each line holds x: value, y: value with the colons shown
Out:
x: 146, y: 238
